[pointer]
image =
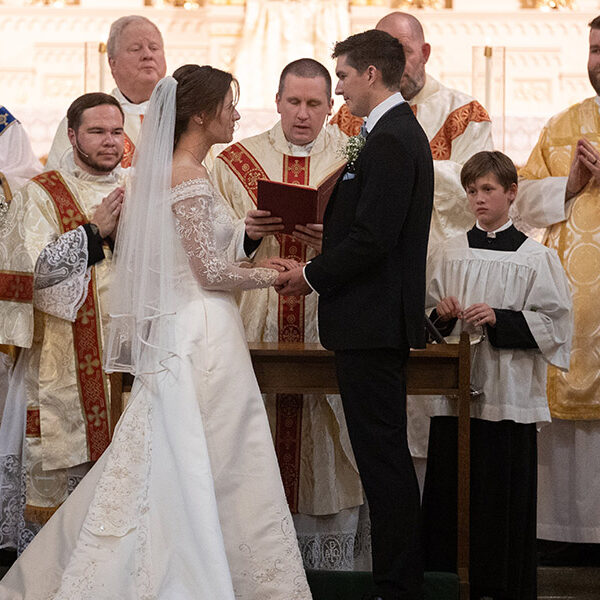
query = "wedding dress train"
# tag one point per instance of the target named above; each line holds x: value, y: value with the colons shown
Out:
x: 187, y: 501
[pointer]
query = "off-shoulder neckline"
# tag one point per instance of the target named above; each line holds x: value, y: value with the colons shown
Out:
x: 190, y: 182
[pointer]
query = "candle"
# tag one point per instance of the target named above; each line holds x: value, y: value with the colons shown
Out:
x: 101, y: 53
x: 487, y: 52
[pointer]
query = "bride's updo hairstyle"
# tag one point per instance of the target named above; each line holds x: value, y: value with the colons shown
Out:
x: 200, y: 91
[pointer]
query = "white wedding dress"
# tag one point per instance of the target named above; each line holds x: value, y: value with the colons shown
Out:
x: 187, y: 501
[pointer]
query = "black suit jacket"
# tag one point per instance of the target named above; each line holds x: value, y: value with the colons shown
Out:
x: 370, y: 275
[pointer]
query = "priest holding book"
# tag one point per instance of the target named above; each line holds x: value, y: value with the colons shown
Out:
x: 317, y: 465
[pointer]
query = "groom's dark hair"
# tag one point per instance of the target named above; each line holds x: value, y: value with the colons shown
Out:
x: 376, y: 48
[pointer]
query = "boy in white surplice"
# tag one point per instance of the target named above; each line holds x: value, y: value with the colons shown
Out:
x: 514, y: 289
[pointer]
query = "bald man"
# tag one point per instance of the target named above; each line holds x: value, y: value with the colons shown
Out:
x: 457, y: 127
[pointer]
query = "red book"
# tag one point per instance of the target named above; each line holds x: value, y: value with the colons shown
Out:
x: 297, y: 204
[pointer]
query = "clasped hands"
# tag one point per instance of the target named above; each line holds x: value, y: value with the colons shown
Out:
x: 585, y: 165
x: 476, y: 314
x: 291, y: 280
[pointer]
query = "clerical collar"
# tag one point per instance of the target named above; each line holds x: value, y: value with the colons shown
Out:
x: 492, y: 234
x: 305, y: 150
x: 505, y: 239
x: 127, y: 105
x: 382, y: 108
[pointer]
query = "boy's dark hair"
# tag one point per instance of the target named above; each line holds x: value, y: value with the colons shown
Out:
x: 377, y: 48
x: 595, y: 23
x: 79, y: 105
x: 485, y: 162
x: 307, y: 68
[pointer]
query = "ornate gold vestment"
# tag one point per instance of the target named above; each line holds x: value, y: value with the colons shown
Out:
x: 576, y: 394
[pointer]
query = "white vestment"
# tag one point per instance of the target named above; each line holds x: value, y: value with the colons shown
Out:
x: 530, y: 280
x: 568, y: 473
x: 18, y: 164
x: 46, y: 429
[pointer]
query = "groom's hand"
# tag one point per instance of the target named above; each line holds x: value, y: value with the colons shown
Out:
x: 292, y: 283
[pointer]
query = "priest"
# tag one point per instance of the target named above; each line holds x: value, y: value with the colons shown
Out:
x: 136, y: 58
x: 54, y: 273
x: 560, y: 190
x: 316, y: 461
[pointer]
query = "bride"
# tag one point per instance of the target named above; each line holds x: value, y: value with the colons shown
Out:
x: 187, y: 501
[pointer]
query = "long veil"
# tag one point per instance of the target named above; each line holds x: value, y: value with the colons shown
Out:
x: 143, y: 298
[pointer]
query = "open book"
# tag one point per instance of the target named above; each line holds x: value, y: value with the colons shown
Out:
x: 297, y: 204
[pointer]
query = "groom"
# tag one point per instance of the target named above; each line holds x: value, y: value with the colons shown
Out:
x: 371, y: 284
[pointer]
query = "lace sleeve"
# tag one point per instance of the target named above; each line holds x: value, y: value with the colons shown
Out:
x: 61, y: 275
x: 205, y: 230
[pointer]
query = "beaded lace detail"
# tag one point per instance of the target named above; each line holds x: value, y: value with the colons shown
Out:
x: 206, y: 229
x: 61, y: 275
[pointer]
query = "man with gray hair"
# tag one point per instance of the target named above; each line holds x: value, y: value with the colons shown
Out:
x: 137, y: 62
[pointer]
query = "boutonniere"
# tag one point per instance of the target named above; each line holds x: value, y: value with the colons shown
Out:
x: 352, y: 149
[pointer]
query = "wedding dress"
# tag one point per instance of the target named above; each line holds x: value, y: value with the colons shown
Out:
x: 187, y: 501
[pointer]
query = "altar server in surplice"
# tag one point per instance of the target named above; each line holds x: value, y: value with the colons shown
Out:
x: 515, y: 291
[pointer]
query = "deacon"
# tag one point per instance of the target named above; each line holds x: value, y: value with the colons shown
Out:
x: 560, y: 190
x: 310, y: 435
x: 136, y: 58
x: 457, y: 127
x: 54, y: 274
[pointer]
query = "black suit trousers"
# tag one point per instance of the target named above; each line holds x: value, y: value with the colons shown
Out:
x: 373, y: 389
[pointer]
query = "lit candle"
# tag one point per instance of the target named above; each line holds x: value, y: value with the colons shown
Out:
x: 487, y: 52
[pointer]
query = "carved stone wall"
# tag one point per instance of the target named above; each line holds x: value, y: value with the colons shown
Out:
x: 45, y: 63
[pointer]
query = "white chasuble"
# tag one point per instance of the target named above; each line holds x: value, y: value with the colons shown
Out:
x: 57, y: 411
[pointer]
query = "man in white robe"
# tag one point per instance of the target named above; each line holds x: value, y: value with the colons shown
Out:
x: 136, y: 58
x: 18, y: 164
x: 559, y: 190
x: 457, y: 127
x: 54, y: 276
x: 316, y: 461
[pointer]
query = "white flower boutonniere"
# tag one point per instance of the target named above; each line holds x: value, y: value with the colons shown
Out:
x: 352, y: 149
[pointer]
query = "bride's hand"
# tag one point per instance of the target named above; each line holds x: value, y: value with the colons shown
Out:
x: 279, y: 264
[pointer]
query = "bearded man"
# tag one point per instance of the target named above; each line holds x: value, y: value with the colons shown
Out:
x: 54, y: 276
x: 560, y: 190
x: 136, y: 57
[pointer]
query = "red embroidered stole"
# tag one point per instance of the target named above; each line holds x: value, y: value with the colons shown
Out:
x: 441, y: 143
x: 91, y: 382
x: 128, y: 151
x: 128, y: 148
x: 291, y: 312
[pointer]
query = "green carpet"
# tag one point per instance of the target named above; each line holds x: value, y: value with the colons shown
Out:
x: 351, y: 585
